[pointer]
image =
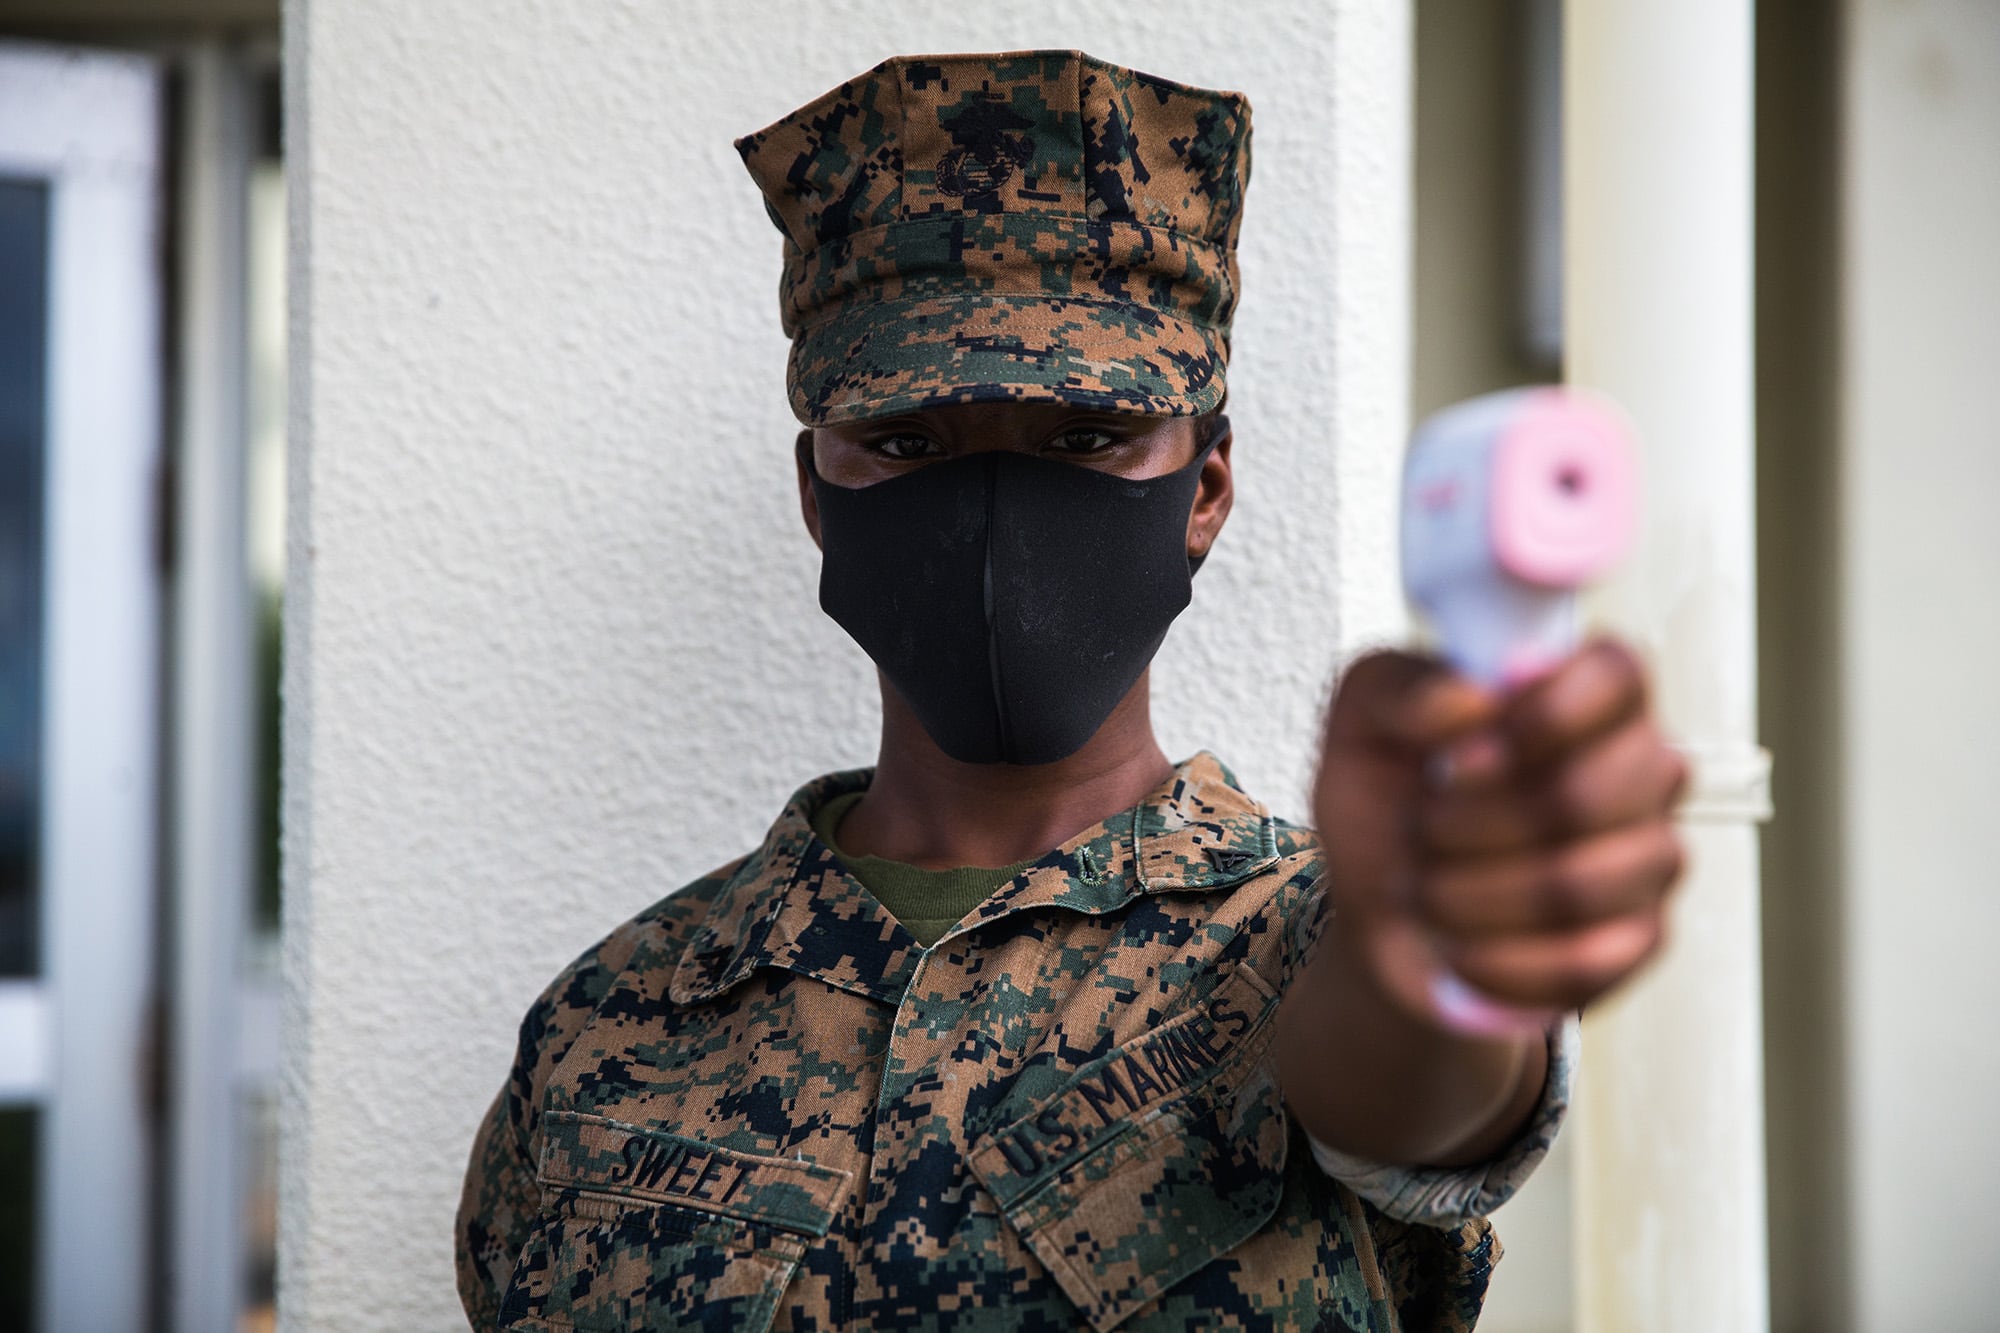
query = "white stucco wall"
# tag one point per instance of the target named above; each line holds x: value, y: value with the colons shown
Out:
x: 553, y: 641
x: 1920, y: 643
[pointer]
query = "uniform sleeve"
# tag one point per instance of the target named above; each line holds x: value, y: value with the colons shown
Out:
x: 498, y: 1201
x: 1448, y: 1196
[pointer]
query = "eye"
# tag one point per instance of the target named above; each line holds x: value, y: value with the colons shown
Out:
x: 1083, y: 441
x: 905, y: 447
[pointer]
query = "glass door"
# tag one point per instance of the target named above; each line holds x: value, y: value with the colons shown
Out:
x: 24, y: 1055
x: 80, y: 611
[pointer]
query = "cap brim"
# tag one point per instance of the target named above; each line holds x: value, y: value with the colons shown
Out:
x: 888, y: 357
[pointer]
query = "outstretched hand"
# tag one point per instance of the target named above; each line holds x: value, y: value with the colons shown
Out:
x: 1522, y: 840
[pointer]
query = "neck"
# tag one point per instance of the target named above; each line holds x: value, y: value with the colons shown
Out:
x: 925, y: 808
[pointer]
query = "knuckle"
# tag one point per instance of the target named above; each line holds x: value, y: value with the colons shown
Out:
x: 1680, y: 776
x: 1656, y: 944
x: 1566, y: 888
x: 1386, y: 671
x: 1645, y: 944
x: 1604, y: 958
x: 1654, y: 853
x: 1634, y: 947
x: 1355, y: 681
x: 1649, y: 949
x: 1533, y: 714
x: 1570, y: 800
x: 1358, y: 689
x: 1621, y: 663
x: 1673, y: 856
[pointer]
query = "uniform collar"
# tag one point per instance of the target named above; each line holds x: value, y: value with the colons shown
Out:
x: 792, y: 904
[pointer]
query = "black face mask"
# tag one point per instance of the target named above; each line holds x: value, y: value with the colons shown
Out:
x: 1011, y: 600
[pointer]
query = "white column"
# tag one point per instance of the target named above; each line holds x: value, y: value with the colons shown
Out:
x: 213, y: 703
x: 1919, y: 646
x: 1670, y: 1193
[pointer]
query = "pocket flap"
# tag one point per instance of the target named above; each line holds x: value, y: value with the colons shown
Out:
x: 596, y: 1155
x: 1158, y: 1158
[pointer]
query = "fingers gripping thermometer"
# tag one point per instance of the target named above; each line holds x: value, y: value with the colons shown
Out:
x: 1511, y: 501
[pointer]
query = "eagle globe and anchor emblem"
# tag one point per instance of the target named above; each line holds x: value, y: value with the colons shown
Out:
x: 989, y: 149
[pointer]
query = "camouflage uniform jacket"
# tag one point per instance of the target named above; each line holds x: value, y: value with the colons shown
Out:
x: 761, y: 1104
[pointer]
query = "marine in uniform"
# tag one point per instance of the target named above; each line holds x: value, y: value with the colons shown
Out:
x: 943, y: 1052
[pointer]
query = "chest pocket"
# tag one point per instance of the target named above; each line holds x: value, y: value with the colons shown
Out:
x: 643, y: 1229
x: 1154, y: 1160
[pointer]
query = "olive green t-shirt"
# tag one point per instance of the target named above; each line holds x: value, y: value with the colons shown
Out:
x: 926, y: 902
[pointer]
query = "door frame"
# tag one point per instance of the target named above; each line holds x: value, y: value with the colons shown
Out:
x: 88, y: 124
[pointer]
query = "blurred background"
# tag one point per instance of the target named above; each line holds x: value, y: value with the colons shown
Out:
x: 142, y: 568
x: 142, y: 390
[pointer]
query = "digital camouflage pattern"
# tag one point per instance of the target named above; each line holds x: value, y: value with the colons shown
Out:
x: 760, y: 1104
x: 1036, y: 225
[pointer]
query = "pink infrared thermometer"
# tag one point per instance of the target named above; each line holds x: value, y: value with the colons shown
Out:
x: 1511, y: 502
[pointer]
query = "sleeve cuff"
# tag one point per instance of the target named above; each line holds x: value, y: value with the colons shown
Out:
x: 1447, y: 1196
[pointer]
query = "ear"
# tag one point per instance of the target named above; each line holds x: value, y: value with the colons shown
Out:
x: 808, y: 502
x: 1213, y: 497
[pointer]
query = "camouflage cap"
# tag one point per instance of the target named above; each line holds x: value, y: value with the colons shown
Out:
x: 1028, y: 226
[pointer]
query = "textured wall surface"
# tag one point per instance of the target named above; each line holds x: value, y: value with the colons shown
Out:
x: 554, y: 645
